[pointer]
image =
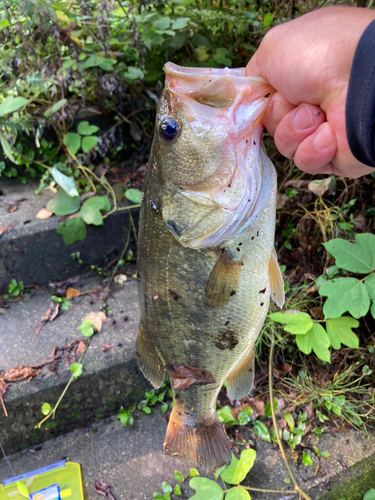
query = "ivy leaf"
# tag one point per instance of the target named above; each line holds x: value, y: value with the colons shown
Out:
x: 178, y: 477
x: 306, y: 459
x: 11, y: 104
x: 177, y: 490
x: 193, y: 472
x: 73, y: 141
x: 221, y: 56
x: 132, y: 73
x: 46, y: 408
x: 339, y: 331
x: 180, y: 23
x: 72, y: 230
x: 206, y: 489
x: 370, y: 287
x: 296, y: 322
x: 90, y: 211
x: 22, y: 488
x: 65, y: 182
x: 345, y: 294
x: 89, y: 143
x: 238, y: 493
x: 358, y: 257
x: 63, y: 204
x: 317, y: 340
x: 225, y: 416
x: 244, y: 417
x: 166, y: 487
x: 262, y: 431
x: 370, y: 495
x: 76, y: 369
x: 134, y: 195
x: 238, y: 469
x: 56, y: 107
x: 86, y: 328
x: 202, y: 53
x: 7, y: 148
x: 84, y: 128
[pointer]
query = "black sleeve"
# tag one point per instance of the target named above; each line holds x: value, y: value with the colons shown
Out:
x: 360, y: 102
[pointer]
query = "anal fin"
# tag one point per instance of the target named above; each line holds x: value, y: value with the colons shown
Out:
x: 276, y: 281
x: 149, y: 363
x: 241, y: 380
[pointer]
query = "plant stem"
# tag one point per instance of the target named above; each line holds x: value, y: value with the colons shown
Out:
x: 279, y: 442
x: 121, y: 257
x: 250, y: 488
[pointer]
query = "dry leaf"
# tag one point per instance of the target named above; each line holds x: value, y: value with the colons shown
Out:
x: 296, y: 183
x: 19, y: 373
x: 120, y: 279
x: 320, y: 186
x: 13, y: 206
x: 104, y: 489
x: 106, y: 347
x: 81, y: 348
x: 97, y: 319
x: 43, y: 214
x: 7, y: 229
x: 72, y: 292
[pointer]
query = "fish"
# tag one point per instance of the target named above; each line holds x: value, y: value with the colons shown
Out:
x: 206, y: 260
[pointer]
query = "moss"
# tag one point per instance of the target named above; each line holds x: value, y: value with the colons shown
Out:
x: 353, y: 483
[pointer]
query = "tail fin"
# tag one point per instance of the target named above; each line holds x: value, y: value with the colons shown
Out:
x: 205, y: 443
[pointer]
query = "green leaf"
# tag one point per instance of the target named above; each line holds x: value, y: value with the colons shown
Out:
x: 306, y: 459
x: 177, y: 490
x: 65, y: 182
x: 134, y: 195
x: 46, y: 408
x: 56, y: 107
x: 158, y: 496
x: 358, y: 257
x: 86, y: 328
x: 166, y: 487
x: 193, y: 472
x: 125, y: 417
x: 90, y: 211
x: 73, y: 141
x: 89, y: 143
x: 339, y: 331
x: 262, y: 431
x: 225, y: 416
x: 84, y: 128
x: 179, y: 40
x: 238, y: 493
x: 370, y: 287
x: 267, y: 20
x: 180, y: 23
x: 11, y: 104
x: 202, y: 53
x: 7, y: 148
x: 370, y: 495
x: 63, y: 204
x: 237, y: 470
x: 219, y: 471
x: 162, y: 23
x: 132, y: 73
x: 178, y: 477
x: 23, y: 489
x: 296, y: 322
x: 244, y: 417
x: 76, y: 369
x: 72, y: 230
x: 325, y: 454
x: 267, y: 411
x: 206, y: 489
x: 345, y: 294
x: 317, y: 340
x: 286, y: 480
x: 289, y: 420
x: 221, y: 56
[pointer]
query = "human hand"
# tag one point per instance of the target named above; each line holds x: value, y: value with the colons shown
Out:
x: 308, y: 62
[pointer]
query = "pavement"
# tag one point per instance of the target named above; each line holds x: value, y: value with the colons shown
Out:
x: 85, y: 429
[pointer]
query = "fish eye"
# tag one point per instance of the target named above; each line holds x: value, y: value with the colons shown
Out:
x: 169, y: 129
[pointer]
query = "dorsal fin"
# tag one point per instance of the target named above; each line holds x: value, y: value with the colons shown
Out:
x: 276, y: 281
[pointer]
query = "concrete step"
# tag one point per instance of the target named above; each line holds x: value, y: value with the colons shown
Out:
x: 33, y: 252
x: 110, y: 379
x: 131, y: 460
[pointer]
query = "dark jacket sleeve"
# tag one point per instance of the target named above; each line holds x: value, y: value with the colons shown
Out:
x: 360, y: 102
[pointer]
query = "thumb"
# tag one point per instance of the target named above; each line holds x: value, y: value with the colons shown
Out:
x: 253, y: 67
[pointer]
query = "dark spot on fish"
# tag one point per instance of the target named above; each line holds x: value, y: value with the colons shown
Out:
x: 229, y: 185
x: 262, y: 303
x: 263, y: 291
x: 239, y: 244
x: 247, y: 140
x: 173, y: 227
x: 177, y: 396
x: 227, y: 323
x: 226, y: 340
x: 252, y: 237
x: 267, y: 95
x: 179, y: 413
x: 185, y: 376
x: 248, y: 201
x: 153, y: 206
x: 254, y: 142
x: 318, y: 113
x: 233, y: 292
x: 241, y: 263
x: 250, y: 370
x: 173, y: 294
x: 238, y: 249
x: 257, y: 233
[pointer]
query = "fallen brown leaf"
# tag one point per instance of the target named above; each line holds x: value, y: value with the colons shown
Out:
x: 320, y: 186
x: 106, y: 347
x: 103, y: 489
x: 81, y: 348
x: 97, y: 319
x: 99, y: 295
x: 7, y: 229
x: 19, y: 373
x: 72, y: 292
x: 296, y: 183
x: 13, y: 206
x: 50, y: 315
x: 43, y: 214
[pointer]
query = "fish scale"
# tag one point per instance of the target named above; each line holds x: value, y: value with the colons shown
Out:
x: 202, y: 304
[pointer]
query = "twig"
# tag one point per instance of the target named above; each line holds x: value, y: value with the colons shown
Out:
x: 289, y: 492
x: 3, y: 405
x: 301, y: 493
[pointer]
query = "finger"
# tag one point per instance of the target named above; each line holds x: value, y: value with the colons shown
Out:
x: 277, y: 109
x: 296, y: 126
x: 315, y: 154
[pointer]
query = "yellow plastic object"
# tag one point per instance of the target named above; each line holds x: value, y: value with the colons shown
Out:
x: 66, y: 474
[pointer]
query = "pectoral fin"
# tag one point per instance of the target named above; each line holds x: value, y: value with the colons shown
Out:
x: 276, y: 281
x: 149, y: 363
x: 241, y: 380
x: 223, y: 281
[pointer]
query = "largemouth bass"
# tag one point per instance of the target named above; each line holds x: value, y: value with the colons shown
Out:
x: 206, y: 258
